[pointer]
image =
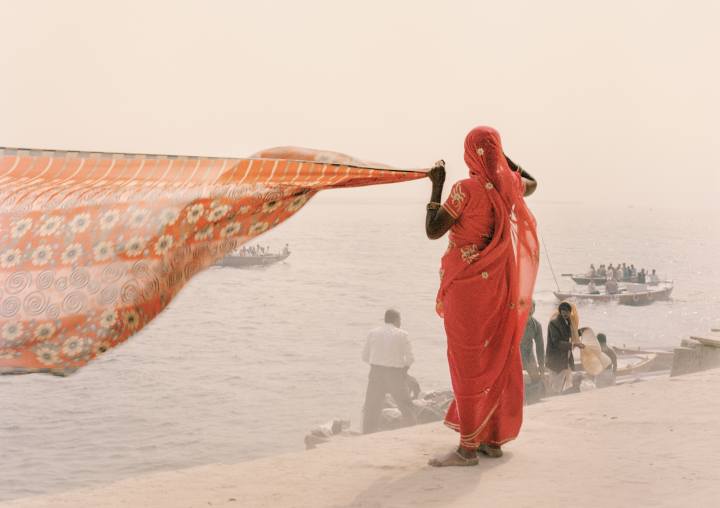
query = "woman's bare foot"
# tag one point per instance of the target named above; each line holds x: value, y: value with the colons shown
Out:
x: 459, y: 457
x: 491, y: 450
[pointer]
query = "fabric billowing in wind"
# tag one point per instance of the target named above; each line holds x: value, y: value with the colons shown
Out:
x: 94, y: 245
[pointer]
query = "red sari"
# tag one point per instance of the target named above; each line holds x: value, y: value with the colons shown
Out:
x: 487, y: 278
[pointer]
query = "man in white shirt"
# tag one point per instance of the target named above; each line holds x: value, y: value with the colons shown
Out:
x: 389, y: 353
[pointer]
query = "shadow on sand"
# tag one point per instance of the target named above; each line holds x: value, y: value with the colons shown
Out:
x: 426, y: 487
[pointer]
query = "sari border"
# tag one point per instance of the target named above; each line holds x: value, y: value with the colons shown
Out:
x: 450, y: 211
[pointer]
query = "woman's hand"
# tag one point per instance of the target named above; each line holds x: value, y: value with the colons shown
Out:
x: 437, y: 173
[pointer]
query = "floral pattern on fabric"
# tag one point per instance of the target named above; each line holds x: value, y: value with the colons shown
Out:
x: 456, y: 201
x: 87, y: 262
x: 470, y: 253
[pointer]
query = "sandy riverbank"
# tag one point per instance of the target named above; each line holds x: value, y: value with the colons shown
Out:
x: 653, y: 443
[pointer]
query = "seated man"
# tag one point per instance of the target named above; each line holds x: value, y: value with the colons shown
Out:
x: 611, y: 287
x: 607, y: 377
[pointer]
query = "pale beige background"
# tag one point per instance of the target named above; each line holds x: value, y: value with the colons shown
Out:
x: 609, y: 102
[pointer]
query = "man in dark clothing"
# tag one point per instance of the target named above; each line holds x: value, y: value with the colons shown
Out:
x: 559, y: 358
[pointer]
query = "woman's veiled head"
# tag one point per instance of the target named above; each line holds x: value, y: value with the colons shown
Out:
x: 483, y: 152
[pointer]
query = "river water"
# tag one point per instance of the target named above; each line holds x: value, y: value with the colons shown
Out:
x: 244, y: 362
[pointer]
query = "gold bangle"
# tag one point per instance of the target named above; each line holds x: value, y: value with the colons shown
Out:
x: 432, y: 205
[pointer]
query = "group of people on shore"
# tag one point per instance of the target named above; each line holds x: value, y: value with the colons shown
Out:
x: 551, y: 368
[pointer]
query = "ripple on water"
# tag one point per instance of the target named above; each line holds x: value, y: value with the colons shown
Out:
x: 244, y: 362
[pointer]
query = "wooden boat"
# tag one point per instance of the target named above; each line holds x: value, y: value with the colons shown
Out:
x: 642, y: 294
x: 629, y: 294
x: 584, y: 280
x: 247, y: 261
x: 632, y: 362
x: 660, y: 359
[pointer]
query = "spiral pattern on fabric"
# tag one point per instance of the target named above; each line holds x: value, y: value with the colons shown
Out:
x: 130, y: 292
x: 17, y: 281
x: 44, y: 279
x: 10, y: 306
x: 108, y: 296
x: 52, y: 311
x: 61, y: 284
x: 112, y: 273
x: 35, y: 303
x: 79, y: 278
x: 74, y: 302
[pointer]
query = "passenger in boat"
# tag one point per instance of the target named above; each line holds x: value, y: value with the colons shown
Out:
x: 562, y: 336
x: 619, y: 273
x: 653, y: 278
x: 607, y: 377
x: 602, y: 271
x: 610, y: 272
x: 592, y: 272
x: 389, y: 353
x: 633, y: 271
x: 592, y: 289
x: 533, y: 362
x: 642, y: 276
x: 611, y: 287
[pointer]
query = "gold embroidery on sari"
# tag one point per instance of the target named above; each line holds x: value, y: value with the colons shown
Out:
x: 457, y: 195
x: 470, y: 253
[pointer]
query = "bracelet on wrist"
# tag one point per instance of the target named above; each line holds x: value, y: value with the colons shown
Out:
x: 433, y: 205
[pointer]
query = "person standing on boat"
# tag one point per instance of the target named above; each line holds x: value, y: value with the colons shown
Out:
x: 562, y: 336
x: 486, y: 284
x: 389, y: 353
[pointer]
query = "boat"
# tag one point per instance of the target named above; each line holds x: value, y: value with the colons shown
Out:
x: 642, y: 294
x: 240, y: 260
x: 646, y: 360
x: 584, y: 280
x: 629, y: 294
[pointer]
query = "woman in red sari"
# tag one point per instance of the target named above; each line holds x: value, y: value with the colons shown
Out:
x: 487, y: 278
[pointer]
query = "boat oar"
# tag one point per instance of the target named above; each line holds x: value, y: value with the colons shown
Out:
x: 552, y: 271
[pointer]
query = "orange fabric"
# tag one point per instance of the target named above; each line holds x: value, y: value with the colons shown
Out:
x: 94, y: 246
x: 487, y: 279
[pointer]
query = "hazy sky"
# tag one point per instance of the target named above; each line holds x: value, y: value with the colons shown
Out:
x: 609, y: 102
